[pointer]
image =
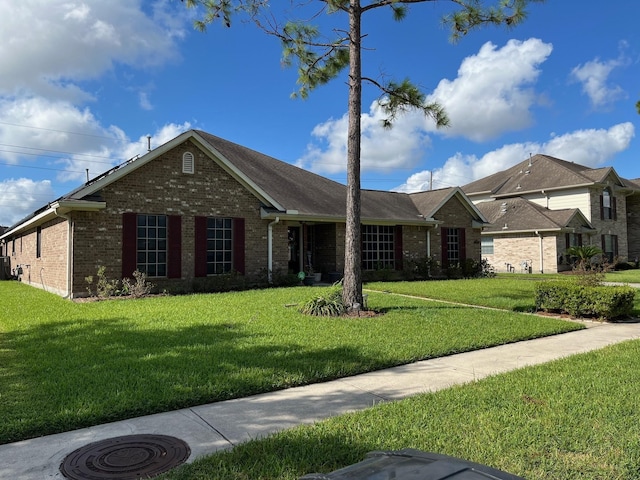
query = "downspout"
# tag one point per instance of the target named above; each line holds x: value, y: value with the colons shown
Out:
x: 541, y: 252
x: 69, y: 294
x: 270, y: 249
x: 428, y: 242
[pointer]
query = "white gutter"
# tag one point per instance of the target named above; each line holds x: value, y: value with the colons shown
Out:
x: 69, y: 252
x: 541, y: 252
x: 270, y: 249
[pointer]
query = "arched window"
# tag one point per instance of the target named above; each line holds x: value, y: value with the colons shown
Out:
x: 188, y: 163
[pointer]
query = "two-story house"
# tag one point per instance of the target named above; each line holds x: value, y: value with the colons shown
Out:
x: 543, y: 205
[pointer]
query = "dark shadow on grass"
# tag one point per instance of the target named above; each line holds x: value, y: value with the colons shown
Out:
x: 68, y: 375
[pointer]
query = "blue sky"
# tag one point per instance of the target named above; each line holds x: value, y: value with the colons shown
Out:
x: 84, y: 82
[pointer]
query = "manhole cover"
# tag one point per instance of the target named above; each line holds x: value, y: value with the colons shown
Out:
x: 130, y: 457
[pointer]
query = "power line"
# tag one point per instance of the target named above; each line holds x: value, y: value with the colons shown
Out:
x: 42, y: 168
x: 58, y: 131
x: 49, y: 150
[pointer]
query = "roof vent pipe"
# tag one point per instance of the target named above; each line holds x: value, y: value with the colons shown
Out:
x: 148, y: 143
x: 530, y: 164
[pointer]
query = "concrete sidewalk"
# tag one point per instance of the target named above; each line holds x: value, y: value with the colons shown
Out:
x: 208, y: 428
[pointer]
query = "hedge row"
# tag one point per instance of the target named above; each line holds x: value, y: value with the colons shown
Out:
x: 603, y: 302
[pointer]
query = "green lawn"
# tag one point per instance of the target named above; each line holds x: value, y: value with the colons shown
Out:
x: 624, y: 276
x: 515, y: 292
x: 66, y: 365
x: 510, y: 292
x: 574, y: 418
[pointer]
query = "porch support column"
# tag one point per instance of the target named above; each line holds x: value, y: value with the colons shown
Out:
x: 270, y: 249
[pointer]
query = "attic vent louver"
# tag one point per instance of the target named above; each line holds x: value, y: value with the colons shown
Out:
x: 188, y: 163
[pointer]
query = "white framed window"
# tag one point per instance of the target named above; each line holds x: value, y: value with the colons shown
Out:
x: 152, y: 245
x: 378, y: 249
x: 453, y: 245
x: 486, y: 245
x: 219, y: 245
x: 188, y: 163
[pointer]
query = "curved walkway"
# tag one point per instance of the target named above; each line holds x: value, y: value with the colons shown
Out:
x: 222, y: 425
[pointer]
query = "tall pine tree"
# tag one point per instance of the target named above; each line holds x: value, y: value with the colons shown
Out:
x: 319, y: 61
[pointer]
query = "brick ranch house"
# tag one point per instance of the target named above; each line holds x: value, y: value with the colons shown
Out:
x: 543, y: 205
x: 200, y: 206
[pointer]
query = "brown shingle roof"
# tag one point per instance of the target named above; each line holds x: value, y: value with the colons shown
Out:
x: 310, y: 194
x: 519, y: 215
x: 292, y: 187
x: 537, y: 173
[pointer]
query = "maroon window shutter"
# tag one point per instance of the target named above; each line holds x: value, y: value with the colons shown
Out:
x: 238, y: 245
x: 614, y: 207
x: 443, y: 240
x: 579, y: 239
x: 601, y: 208
x: 398, y: 247
x: 462, y: 247
x: 567, y: 241
x: 200, y: 247
x: 129, y: 244
x: 174, y: 244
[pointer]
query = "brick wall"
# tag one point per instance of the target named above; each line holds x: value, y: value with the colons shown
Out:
x: 414, y: 241
x: 610, y: 227
x: 49, y: 271
x: 454, y: 214
x: 633, y: 226
x: 519, y: 252
x: 160, y: 188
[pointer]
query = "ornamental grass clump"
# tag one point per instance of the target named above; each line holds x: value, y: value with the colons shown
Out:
x: 327, y: 304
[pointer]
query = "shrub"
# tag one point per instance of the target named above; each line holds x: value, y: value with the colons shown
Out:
x: 140, y: 287
x: 327, y: 304
x: 105, y: 288
x: 624, y: 266
x: 225, y: 282
x: 577, y: 300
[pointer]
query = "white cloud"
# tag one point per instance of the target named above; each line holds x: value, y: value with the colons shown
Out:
x: 51, y: 45
x: 145, y: 103
x: 489, y: 97
x: 382, y: 149
x: 122, y: 150
x: 591, y: 147
x: 22, y: 196
x: 594, y: 77
x: 38, y: 125
x: 492, y: 92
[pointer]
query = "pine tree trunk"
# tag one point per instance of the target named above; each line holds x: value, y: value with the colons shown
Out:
x: 352, y: 283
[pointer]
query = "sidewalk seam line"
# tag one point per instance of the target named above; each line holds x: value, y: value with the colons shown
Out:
x: 212, y: 427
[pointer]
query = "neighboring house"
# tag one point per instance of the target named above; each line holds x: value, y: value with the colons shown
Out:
x: 543, y: 205
x: 200, y: 206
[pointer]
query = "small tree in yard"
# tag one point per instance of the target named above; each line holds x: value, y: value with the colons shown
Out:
x: 320, y: 61
x: 587, y: 273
